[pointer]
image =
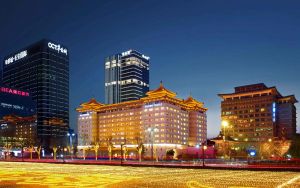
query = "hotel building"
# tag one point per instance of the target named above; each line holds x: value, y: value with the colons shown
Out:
x: 43, y: 70
x: 258, y: 113
x: 17, y: 116
x: 160, y: 119
x: 126, y: 77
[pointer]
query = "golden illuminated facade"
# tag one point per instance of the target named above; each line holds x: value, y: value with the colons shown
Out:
x: 16, y: 128
x: 159, y: 119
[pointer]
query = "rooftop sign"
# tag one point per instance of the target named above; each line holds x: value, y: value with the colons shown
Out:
x: 16, y: 57
x: 58, y: 48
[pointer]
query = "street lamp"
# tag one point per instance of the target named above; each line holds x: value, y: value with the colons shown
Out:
x: 122, y: 145
x: 152, y: 130
x: 224, y: 124
x: 204, y: 147
x: 71, y: 143
x: 64, y: 152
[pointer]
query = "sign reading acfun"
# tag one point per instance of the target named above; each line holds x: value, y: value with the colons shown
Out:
x: 16, y: 57
x: 58, y: 48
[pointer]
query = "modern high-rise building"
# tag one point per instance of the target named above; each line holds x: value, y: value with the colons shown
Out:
x: 126, y: 77
x: 43, y: 69
x: 160, y: 119
x: 258, y: 113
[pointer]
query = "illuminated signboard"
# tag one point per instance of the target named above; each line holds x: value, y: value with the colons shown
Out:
x: 126, y: 53
x: 146, y: 57
x: 274, y: 111
x: 58, y: 48
x: 12, y: 106
x: 14, y: 91
x: 129, y: 52
x: 16, y: 57
x: 152, y: 105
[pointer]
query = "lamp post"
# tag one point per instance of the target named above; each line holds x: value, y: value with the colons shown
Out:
x: 152, y: 130
x: 64, y: 151
x: 224, y: 125
x: 122, y: 144
x: 70, y: 135
x: 204, y: 147
x: 122, y: 154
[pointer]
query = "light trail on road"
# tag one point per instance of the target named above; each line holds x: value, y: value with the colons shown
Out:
x: 18, y: 174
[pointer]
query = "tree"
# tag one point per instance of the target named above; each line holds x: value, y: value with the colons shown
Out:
x: 84, y: 153
x: 31, y: 150
x: 170, y: 153
x: 84, y: 138
x: 109, y: 146
x: 7, y: 148
x: 125, y: 151
x: 54, y: 152
x: 140, y: 150
x: 39, y: 152
x: 155, y: 152
x: 294, y: 149
x: 96, y: 148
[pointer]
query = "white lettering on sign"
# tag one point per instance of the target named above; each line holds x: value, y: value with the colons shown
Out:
x: 11, y: 106
x: 145, y: 57
x: 16, y: 57
x: 58, y: 48
x: 152, y: 105
x: 126, y: 53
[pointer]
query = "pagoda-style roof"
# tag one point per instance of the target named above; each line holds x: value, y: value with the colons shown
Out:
x: 93, y: 104
x: 15, y: 118
x: 159, y: 94
x: 161, y: 91
x: 193, y: 102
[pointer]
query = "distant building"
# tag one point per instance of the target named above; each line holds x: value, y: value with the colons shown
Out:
x: 159, y: 118
x: 17, y: 116
x: 43, y: 69
x: 126, y: 77
x: 258, y: 113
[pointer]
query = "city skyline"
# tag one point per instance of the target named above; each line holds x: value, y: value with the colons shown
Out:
x: 195, y: 50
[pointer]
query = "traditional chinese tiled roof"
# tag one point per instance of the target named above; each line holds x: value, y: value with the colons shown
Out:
x: 160, y: 92
x: 193, y: 102
x: 93, y: 104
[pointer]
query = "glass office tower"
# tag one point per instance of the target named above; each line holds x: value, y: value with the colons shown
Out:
x: 126, y: 77
x: 43, y: 69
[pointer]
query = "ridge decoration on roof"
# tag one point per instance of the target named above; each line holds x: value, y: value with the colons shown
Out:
x: 93, y: 104
x: 161, y: 91
x: 193, y: 102
x: 159, y: 94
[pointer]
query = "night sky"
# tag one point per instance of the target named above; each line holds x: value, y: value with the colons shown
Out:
x: 202, y: 47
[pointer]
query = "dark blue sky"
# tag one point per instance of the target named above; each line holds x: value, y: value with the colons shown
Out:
x: 202, y: 47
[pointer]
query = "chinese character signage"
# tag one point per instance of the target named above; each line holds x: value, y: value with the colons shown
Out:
x: 16, y: 57
x: 14, y: 91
